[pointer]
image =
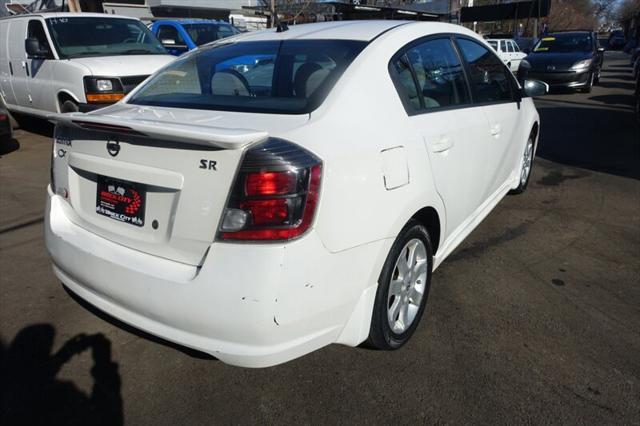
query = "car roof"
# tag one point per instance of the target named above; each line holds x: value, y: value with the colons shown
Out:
x: 69, y: 15
x: 191, y: 21
x: 568, y: 33
x: 336, y: 30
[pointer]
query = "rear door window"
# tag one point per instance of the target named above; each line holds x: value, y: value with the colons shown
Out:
x: 288, y: 77
x: 435, y: 78
x: 489, y: 76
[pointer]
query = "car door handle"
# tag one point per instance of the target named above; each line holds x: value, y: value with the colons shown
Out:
x: 496, y: 129
x: 441, y: 145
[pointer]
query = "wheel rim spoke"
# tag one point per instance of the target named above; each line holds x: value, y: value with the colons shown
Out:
x: 395, y: 287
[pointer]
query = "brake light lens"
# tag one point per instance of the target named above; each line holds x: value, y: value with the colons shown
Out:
x: 270, y: 183
x: 275, y: 195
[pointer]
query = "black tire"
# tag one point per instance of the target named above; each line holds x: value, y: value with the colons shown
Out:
x: 381, y: 335
x: 69, y: 106
x: 522, y: 185
x: 590, y: 85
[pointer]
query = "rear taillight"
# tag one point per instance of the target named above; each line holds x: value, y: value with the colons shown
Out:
x: 275, y: 194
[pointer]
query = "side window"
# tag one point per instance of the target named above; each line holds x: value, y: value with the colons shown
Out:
x: 516, y: 48
x: 441, y: 81
x: 169, y: 32
x: 36, y: 30
x: 489, y: 76
x: 493, y: 44
x: 509, y: 47
x: 402, y: 77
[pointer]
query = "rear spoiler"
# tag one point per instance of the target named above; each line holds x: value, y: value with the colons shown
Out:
x: 188, y: 133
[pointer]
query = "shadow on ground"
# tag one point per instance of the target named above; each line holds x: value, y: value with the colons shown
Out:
x: 32, y: 394
x: 597, y: 138
x: 9, y: 147
x: 34, y: 125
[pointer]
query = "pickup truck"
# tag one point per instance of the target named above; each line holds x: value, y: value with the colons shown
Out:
x: 180, y: 36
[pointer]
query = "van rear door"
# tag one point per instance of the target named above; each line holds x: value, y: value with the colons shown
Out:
x: 18, y: 61
x: 6, y: 91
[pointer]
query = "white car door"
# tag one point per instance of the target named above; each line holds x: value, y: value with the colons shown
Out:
x: 517, y: 55
x: 493, y: 88
x: 439, y: 103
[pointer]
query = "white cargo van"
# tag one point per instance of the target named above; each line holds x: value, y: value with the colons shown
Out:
x: 64, y: 62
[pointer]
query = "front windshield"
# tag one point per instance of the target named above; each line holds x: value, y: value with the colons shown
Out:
x: 287, y: 77
x: 564, y: 43
x: 77, y: 37
x: 208, y: 32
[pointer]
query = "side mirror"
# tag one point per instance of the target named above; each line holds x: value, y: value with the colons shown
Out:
x: 600, y: 49
x: 523, y: 71
x: 533, y: 88
x: 34, y: 50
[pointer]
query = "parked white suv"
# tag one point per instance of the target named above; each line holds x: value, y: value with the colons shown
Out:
x: 64, y: 62
x: 275, y: 192
x: 508, y: 51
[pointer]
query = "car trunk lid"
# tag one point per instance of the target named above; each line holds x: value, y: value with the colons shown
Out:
x: 155, y: 181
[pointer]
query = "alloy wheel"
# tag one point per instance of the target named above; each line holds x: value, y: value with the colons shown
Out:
x: 527, y: 160
x: 407, y: 286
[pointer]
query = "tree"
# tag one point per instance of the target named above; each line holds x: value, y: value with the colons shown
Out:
x: 571, y: 15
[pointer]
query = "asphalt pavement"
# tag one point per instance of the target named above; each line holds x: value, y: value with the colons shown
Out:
x: 535, y: 318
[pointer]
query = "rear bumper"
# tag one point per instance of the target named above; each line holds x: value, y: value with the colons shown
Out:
x: 560, y: 80
x: 247, y: 305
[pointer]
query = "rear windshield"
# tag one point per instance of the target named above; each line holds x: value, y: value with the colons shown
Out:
x: 285, y: 77
x: 564, y: 43
x: 206, y: 33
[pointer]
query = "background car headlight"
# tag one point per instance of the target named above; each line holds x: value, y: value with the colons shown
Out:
x: 582, y: 64
x: 103, y: 89
x: 104, y: 85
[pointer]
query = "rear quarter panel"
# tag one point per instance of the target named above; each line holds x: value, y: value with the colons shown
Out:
x: 362, y: 117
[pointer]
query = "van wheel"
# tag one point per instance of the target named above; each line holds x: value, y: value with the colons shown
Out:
x: 69, y: 106
x: 525, y: 167
x: 403, y: 288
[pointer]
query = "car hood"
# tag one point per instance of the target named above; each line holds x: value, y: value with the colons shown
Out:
x: 561, y: 61
x: 124, y: 65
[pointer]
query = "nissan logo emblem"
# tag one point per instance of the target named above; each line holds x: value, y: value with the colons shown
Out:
x: 113, y: 148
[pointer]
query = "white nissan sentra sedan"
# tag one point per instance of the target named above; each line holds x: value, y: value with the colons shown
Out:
x: 275, y: 192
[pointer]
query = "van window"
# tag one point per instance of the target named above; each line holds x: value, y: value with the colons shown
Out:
x: 287, y: 77
x: 81, y: 36
x: 489, y: 76
x: 36, y: 30
x: 169, y: 32
x: 441, y: 80
x: 206, y: 33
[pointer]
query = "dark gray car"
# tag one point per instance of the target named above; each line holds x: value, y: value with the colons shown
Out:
x: 568, y: 60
